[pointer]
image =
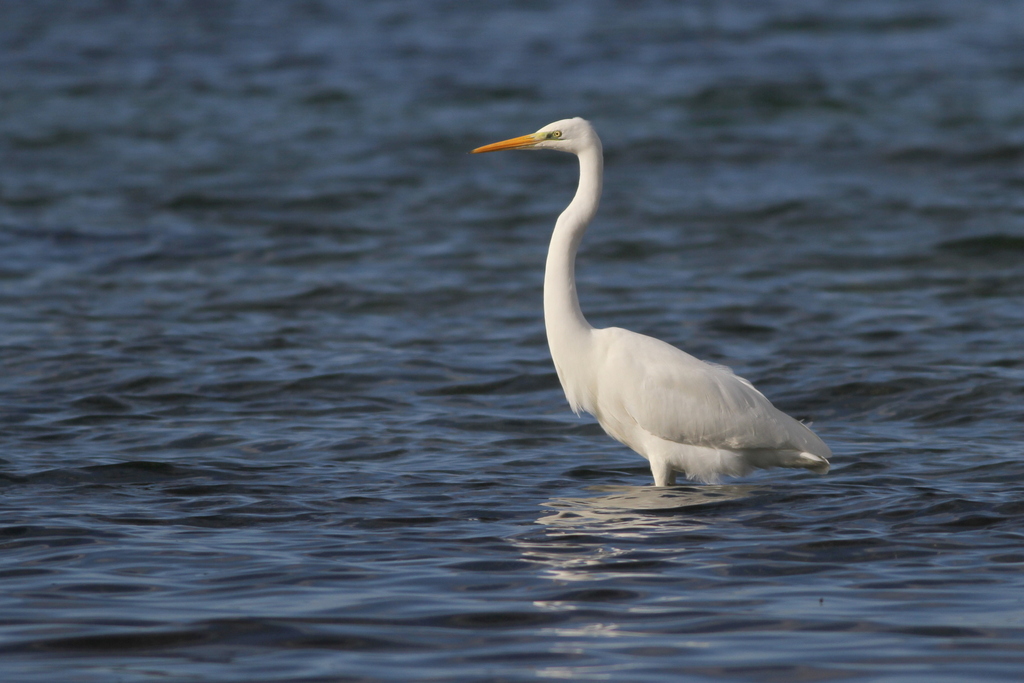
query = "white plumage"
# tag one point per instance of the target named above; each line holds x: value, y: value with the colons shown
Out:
x: 682, y: 414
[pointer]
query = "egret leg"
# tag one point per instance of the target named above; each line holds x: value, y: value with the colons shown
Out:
x: 663, y: 473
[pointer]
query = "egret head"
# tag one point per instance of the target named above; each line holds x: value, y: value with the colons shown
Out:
x: 567, y: 135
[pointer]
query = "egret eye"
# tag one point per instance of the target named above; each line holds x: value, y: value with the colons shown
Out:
x: 554, y: 135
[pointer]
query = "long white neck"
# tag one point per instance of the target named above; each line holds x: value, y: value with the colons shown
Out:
x: 568, y: 331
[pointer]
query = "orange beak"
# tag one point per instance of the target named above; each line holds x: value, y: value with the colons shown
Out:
x: 514, y: 143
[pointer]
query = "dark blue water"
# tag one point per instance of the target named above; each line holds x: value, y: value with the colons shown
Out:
x: 276, y: 402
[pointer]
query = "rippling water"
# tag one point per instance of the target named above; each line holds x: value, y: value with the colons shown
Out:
x: 276, y: 401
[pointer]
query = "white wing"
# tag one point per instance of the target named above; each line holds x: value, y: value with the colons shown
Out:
x: 679, y: 398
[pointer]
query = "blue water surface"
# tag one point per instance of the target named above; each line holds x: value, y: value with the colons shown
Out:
x: 276, y: 401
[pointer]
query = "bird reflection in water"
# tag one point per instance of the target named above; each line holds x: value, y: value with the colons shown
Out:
x: 581, y: 534
x: 635, y: 511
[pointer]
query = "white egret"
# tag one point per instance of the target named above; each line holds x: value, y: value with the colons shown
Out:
x: 682, y: 414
